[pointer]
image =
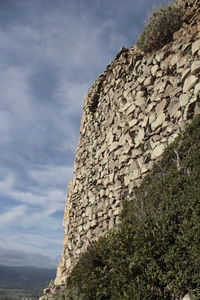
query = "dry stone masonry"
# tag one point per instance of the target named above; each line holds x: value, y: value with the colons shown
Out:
x: 132, y: 112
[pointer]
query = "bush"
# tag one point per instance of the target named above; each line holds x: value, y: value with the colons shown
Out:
x: 154, y: 254
x: 160, y: 28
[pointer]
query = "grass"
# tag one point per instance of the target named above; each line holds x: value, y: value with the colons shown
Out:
x: 14, y: 294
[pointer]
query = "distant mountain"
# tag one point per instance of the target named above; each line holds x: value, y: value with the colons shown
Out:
x: 26, y: 278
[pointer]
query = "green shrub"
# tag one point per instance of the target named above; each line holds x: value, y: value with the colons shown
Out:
x: 154, y: 254
x: 160, y: 28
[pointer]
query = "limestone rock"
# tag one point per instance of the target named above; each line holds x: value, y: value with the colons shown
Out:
x: 184, y: 99
x: 190, y: 83
x: 173, y: 107
x: 133, y: 122
x: 197, y: 89
x: 134, y: 174
x: 140, y: 100
x: 187, y: 297
x: 140, y: 137
x: 195, y: 68
x: 195, y: 47
x: 135, y: 153
x: 185, y: 74
x: 159, y: 56
x: 158, y: 122
x: 161, y: 106
x: 149, y: 81
x: 154, y: 69
x: 157, y: 151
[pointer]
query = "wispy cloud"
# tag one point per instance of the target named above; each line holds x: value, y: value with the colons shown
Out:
x: 12, y: 215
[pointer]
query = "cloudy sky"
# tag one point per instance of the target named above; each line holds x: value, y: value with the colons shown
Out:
x: 50, y: 53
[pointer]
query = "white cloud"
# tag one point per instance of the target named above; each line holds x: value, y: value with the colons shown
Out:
x: 12, y: 215
x: 48, y: 242
x: 5, y: 126
x: 36, y: 207
x: 39, y: 197
x: 50, y: 174
x: 14, y: 93
x: 6, y: 183
x: 70, y: 94
x: 13, y: 257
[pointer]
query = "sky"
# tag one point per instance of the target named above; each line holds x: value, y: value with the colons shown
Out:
x: 50, y: 54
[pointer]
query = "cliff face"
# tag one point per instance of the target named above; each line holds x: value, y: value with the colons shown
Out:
x: 132, y: 112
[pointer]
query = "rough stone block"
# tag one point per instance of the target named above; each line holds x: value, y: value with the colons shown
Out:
x: 158, y: 122
x: 173, y: 107
x: 185, y: 74
x: 189, y: 83
x: 184, y: 99
x: 154, y: 70
x: 139, y: 137
x: 197, y: 89
x: 161, y: 106
x: 134, y: 174
x: 195, y: 47
x: 157, y: 151
x: 195, y: 68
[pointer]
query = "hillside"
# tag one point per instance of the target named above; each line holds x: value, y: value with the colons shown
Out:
x: 29, y: 278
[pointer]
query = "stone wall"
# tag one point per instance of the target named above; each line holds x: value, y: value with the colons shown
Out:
x: 132, y: 112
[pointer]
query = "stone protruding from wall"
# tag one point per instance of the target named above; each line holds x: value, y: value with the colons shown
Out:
x: 132, y: 112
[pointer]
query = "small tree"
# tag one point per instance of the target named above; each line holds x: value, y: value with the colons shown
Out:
x: 160, y: 28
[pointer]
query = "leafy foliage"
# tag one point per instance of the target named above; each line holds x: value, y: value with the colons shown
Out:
x: 154, y: 254
x: 160, y: 28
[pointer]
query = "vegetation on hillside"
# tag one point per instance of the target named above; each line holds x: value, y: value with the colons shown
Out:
x: 25, y: 280
x: 154, y: 254
x: 160, y: 27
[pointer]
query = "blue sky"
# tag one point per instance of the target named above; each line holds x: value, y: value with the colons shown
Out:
x: 50, y: 53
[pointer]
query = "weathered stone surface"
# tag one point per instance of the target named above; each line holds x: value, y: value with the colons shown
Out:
x: 184, y: 99
x: 182, y: 62
x: 174, y: 60
x: 159, y: 56
x: 139, y: 137
x: 185, y: 74
x: 157, y: 151
x: 149, y: 81
x: 187, y: 297
x: 133, y: 122
x: 173, y: 107
x: 195, y: 47
x: 154, y: 69
x: 195, y: 68
x: 158, y: 122
x: 136, y: 153
x: 197, y: 89
x: 134, y: 174
x: 190, y: 83
x: 139, y: 100
x: 161, y: 106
